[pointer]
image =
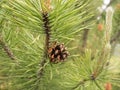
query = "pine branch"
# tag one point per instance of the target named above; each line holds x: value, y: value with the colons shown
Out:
x: 98, y: 85
x: 47, y: 29
x: 7, y: 49
x: 65, y: 22
x: 115, y: 37
x: 85, y: 37
x: 105, y: 53
x: 47, y: 32
x: 92, y: 78
x: 80, y: 83
x: 111, y: 1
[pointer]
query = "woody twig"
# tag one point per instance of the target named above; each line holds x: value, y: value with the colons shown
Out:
x: 7, y: 49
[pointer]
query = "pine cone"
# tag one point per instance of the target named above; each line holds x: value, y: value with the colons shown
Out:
x: 57, y: 53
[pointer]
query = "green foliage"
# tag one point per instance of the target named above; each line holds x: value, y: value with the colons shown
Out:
x: 22, y: 32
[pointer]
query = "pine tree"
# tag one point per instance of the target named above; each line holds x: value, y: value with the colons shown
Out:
x: 47, y: 45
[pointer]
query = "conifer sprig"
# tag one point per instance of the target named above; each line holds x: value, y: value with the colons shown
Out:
x: 31, y: 31
x: 7, y: 49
